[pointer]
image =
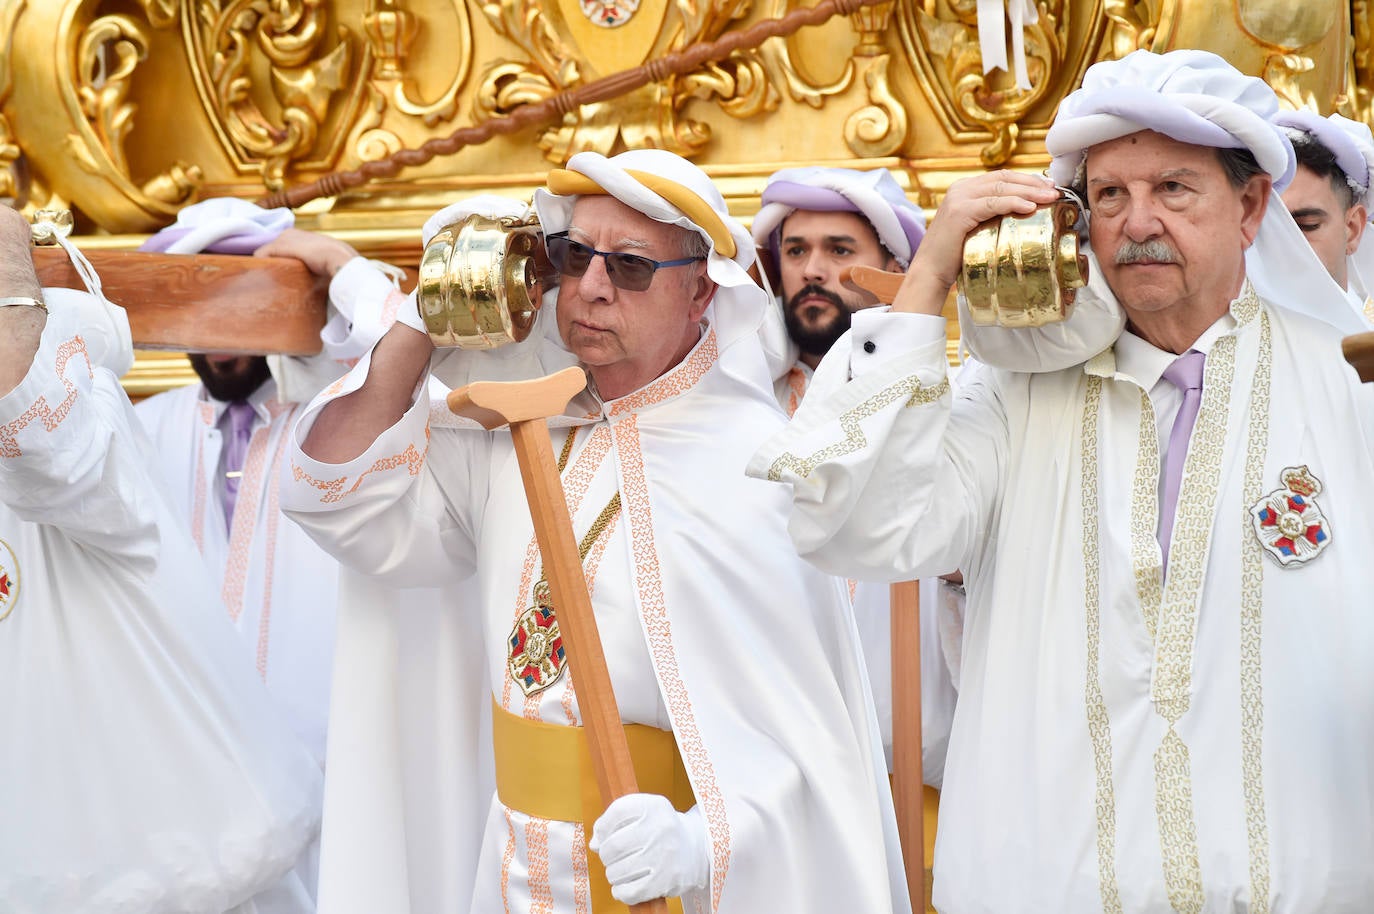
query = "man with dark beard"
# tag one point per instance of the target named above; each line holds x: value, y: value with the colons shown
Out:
x: 816, y: 222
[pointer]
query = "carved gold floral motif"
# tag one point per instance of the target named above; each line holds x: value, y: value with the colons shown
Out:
x: 563, y: 49
x: 941, y: 37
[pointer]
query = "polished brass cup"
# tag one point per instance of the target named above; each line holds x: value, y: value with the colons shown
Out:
x: 481, y: 280
x: 1022, y: 271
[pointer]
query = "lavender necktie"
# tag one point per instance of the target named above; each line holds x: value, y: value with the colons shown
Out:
x: 1186, y: 374
x: 241, y: 416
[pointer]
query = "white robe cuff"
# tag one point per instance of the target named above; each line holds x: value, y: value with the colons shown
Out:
x: 880, y: 334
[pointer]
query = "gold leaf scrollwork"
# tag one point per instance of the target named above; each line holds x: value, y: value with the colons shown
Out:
x: 281, y: 127
x: 160, y: 13
x: 390, y: 32
x: 1133, y: 26
x: 649, y: 116
x: 13, y: 174
x: 107, y: 54
x: 1281, y: 72
x: 800, y: 86
x: 1361, y: 73
x: 942, y: 38
x: 877, y: 129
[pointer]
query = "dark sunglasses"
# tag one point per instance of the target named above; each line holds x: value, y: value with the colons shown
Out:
x: 626, y: 271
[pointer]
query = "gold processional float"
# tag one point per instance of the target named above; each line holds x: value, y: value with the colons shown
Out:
x: 124, y: 112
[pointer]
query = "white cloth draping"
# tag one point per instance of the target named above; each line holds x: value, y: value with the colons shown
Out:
x: 146, y: 770
x: 1121, y: 742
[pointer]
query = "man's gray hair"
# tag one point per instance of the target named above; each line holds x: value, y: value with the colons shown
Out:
x: 694, y: 244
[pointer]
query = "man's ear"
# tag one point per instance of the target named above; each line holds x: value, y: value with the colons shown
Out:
x: 703, y: 289
x: 1254, y: 201
x: 1356, y: 219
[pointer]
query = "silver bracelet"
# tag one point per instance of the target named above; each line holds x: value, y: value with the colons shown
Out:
x: 22, y: 301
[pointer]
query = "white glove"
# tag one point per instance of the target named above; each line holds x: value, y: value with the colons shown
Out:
x: 650, y: 850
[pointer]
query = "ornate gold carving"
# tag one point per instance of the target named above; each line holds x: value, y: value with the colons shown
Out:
x: 276, y: 121
x: 390, y: 31
x: 1281, y: 73
x: 563, y: 48
x: 1133, y: 25
x: 944, y: 45
x: 13, y: 175
x: 402, y: 26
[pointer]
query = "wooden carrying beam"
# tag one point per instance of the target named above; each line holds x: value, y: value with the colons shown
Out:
x: 204, y: 302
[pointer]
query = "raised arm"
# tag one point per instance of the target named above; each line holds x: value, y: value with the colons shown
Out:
x: 346, y: 427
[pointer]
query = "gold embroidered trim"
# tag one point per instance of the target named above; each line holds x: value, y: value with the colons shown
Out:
x: 1146, y: 557
x: 1251, y: 631
x: 1099, y: 725
x: 1177, y: 826
x: 1197, y: 498
x: 917, y: 394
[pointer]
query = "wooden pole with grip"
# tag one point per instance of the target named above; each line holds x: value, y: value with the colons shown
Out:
x: 908, y: 787
x: 525, y: 406
x: 1359, y: 352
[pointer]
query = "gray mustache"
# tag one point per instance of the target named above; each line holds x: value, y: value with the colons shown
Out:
x: 1154, y: 250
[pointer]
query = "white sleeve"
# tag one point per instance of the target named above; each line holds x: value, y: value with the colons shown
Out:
x: 384, y: 513
x: 893, y: 477
x: 70, y: 453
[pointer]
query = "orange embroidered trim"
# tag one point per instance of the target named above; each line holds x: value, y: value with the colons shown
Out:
x: 658, y: 629
x: 333, y: 489
x: 537, y: 852
x: 796, y: 385
x: 51, y: 418
x: 245, y: 522
x: 582, y: 892
x: 679, y: 380
x: 506, y: 858
x: 392, y: 306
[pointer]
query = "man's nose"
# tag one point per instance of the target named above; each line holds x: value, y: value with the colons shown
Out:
x: 1142, y: 218
x: 815, y: 268
x: 596, y: 284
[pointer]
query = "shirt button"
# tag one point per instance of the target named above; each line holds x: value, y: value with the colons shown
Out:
x: 870, y: 347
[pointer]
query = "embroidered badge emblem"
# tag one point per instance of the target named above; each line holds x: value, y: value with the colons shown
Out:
x: 1288, y: 522
x: 537, y: 657
x: 608, y: 13
x: 9, y: 580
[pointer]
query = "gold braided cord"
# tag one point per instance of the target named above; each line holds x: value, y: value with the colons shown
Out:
x: 568, y: 100
x: 598, y: 527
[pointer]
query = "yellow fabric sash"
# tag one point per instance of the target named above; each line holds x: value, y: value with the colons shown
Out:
x: 545, y: 770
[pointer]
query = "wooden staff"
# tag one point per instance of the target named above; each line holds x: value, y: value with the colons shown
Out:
x: 524, y: 406
x: 1359, y: 351
x: 204, y: 302
x: 908, y: 782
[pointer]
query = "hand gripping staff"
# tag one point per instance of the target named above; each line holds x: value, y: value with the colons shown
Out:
x: 525, y: 406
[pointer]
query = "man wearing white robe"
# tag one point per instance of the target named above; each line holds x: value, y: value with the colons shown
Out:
x: 145, y: 768
x: 717, y: 636
x: 1140, y: 728
x: 815, y: 223
x: 1330, y: 197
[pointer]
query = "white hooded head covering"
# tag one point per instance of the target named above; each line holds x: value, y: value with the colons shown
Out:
x: 874, y: 195
x: 667, y: 188
x: 1352, y: 145
x: 1194, y: 97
